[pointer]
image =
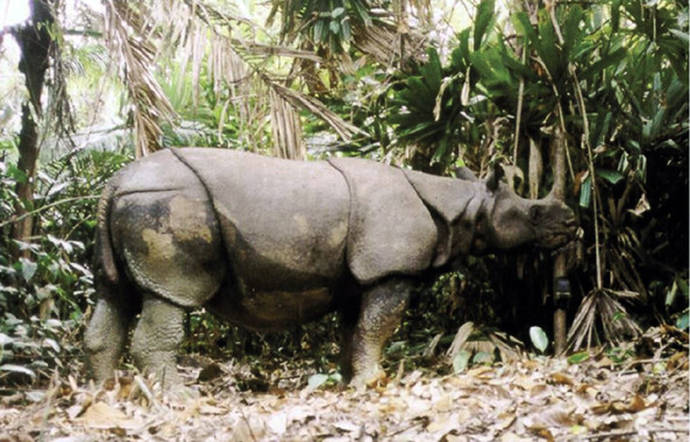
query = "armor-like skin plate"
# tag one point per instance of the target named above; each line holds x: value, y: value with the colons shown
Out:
x: 267, y: 243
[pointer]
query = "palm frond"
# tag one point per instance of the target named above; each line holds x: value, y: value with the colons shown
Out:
x: 344, y: 129
x: 287, y: 130
x: 384, y: 43
x: 235, y: 62
x: 601, y: 312
x: 128, y: 39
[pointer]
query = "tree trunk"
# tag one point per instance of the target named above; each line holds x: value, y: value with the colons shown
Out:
x: 34, y: 41
x: 561, y: 285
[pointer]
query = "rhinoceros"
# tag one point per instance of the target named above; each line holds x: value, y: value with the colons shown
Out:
x: 268, y: 243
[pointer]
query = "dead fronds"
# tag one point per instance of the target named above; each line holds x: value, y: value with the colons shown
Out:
x: 602, y: 318
x: 127, y: 31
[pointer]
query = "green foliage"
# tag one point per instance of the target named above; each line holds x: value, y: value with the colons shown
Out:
x: 45, y: 283
x: 619, y: 355
x: 327, y: 24
x: 628, y: 62
x: 321, y: 380
x: 578, y: 357
x: 211, y: 118
x: 678, y: 295
x: 539, y: 338
x: 461, y: 361
x: 29, y: 349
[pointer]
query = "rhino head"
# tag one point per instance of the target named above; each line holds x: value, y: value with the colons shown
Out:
x: 509, y: 221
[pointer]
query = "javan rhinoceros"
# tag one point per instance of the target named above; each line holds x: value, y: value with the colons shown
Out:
x: 268, y: 243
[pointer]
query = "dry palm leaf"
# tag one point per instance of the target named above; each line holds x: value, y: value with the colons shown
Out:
x: 382, y: 41
x: 615, y: 325
x: 125, y: 28
x: 234, y: 66
x: 508, y: 347
x: 344, y: 129
x: 287, y: 130
x: 460, y: 339
x: 236, y: 55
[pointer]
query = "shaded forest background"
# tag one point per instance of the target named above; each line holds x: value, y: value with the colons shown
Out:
x: 91, y: 86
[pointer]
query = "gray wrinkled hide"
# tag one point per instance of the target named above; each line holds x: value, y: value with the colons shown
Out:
x: 269, y: 243
x: 451, y: 199
x: 391, y: 231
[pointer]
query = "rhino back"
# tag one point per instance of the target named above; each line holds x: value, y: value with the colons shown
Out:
x: 284, y: 222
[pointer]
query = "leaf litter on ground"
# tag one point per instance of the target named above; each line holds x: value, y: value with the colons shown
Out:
x: 542, y: 398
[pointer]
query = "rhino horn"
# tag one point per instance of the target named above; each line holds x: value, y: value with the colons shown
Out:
x: 494, y: 178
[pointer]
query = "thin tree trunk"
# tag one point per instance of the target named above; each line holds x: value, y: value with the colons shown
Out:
x: 34, y: 41
x: 561, y: 285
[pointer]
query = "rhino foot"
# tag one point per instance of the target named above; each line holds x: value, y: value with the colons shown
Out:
x: 381, y: 310
x: 105, y: 337
x: 369, y: 378
x: 159, y: 332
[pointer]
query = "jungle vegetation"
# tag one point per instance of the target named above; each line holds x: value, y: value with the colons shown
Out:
x: 91, y: 86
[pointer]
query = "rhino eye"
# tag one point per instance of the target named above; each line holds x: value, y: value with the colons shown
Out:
x: 536, y: 213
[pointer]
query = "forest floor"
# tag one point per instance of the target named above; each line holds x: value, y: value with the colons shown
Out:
x: 533, y: 399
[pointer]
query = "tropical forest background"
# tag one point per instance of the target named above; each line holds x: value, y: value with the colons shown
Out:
x: 88, y: 86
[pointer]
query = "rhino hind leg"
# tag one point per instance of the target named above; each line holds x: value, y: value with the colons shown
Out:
x: 381, y: 311
x: 106, y: 336
x: 158, y: 334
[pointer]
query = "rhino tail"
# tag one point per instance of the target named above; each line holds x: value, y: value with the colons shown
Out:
x: 104, y: 258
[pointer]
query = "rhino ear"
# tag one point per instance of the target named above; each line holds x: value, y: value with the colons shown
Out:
x: 448, y: 200
x: 494, y: 177
x: 464, y: 173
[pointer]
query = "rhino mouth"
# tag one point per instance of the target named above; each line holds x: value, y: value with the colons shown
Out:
x: 561, y: 237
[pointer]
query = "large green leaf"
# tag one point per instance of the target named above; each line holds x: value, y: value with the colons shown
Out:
x: 524, y: 27
x: 586, y: 192
x: 431, y: 70
x: 539, y: 339
x: 612, y: 176
x: 571, y: 29
x: 485, y: 15
x: 607, y: 60
x: 615, y: 15
x: 459, y: 57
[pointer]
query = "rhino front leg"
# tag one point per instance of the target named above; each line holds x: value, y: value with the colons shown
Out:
x: 382, y: 308
x: 158, y: 334
x: 105, y: 336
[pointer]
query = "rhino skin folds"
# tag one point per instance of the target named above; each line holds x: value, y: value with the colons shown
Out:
x: 268, y: 243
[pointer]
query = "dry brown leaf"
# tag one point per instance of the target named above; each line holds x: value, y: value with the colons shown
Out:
x: 604, y: 362
x: 480, y: 372
x: 444, y: 403
x: 512, y: 437
x: 586, y: 390
x: 538, y: 390
x: 561, y: 379
x: 636, y: 404
x: 277, y: 423
x: 210, y: 409
x: 532, y: 364
x: 462, y: 381
x: 678, y: 359
x: 443, y: 423
x: 506, y: 421
x: 524, y: 382
x: 102, y: 416
x: 347, y: 426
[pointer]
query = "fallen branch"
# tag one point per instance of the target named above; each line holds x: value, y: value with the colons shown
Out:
x: 632, y: 432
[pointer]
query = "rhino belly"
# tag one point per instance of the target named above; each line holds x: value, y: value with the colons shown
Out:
x: 271, y: 309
